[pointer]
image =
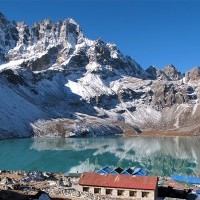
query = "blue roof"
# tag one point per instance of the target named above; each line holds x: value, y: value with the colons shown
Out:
x: 188, y: 179
x: 105, y: 170
x: 125, y: 173
x: 129, y: 171
x: 118, y: 170
x: 136, y: 170
x: 141, y: 172
x: 114, y: 172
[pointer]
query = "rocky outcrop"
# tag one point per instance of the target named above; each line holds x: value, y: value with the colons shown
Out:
x: 193, y: 75
x: 167, y: 94
x: 8, y: 37
x: 155, y: 73
x: 172, y: 73
x: 169, y: 73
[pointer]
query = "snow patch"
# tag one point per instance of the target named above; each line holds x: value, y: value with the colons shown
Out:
x: 11, y: 64
x: 182, y: 108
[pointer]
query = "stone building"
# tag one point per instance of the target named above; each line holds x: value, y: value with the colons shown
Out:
x: 120, y: 186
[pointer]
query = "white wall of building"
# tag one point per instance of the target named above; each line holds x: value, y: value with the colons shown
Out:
x: 138, y: 194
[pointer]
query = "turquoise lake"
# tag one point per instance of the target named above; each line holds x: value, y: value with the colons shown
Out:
x: 162, y: 156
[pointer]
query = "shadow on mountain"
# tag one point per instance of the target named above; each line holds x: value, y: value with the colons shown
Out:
x: 29, y: 97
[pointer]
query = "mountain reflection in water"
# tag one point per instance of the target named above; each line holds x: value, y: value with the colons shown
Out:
x: 162, y: 156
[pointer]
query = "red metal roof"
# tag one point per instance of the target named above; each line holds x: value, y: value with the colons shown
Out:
x: 119, y: 181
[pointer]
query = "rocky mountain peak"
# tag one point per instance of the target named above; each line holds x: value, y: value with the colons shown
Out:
x: 152, y: 72
x: 71, y: 26
x: 8, y: 37
x: 3, y: 20
x: 63, y: 44
x: 47, y: 21
x: 193, y: 74
x: 45, y: 43
x: 170, y: 66
x: 1, y: 15
x: 156, y: 74
x: 172, y: 73
x: 72, y: 21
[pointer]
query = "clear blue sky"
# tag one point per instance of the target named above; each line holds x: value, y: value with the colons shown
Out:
x: 153, y: 32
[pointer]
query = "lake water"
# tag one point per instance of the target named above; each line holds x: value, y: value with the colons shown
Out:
x: 162, y: 156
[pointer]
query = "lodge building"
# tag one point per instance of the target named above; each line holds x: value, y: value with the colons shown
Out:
x: 120, y: 186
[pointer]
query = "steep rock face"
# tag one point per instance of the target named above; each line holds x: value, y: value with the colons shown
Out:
x: 8, y: 37
x: 169, y: 73
x: 155, y: 73
x: 56, y: 82
x: 167, y: 94
x: 172, y: 73
x: 46, y: 43
x: 193, y: 75
x: 63, y: 45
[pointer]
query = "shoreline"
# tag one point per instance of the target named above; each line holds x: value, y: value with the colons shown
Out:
x: 161, y: 134
x: 155, y: 134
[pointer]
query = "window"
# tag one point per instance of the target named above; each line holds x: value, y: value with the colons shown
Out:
x: 85, y: 189
x: 132, y: 193
x: 120, y: 192
x: 97, y: 190
x: 108, y: 191
x: 145, y: 194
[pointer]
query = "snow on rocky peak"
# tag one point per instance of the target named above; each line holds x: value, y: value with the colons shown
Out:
x: 45, y: 43
x: 62, y: 45
x: 8, y: 37
x: 56, y: 82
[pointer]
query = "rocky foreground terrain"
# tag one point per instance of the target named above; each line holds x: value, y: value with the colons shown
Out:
x: 56, y: 82
x: 21, y: 185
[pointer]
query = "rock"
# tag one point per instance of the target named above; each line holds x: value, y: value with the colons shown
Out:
x: 156, y: 74
x: 169, y: 73
x: 6, y: 181
x: 172, y: 73
x: 13, y: 77
x: 193, y: 75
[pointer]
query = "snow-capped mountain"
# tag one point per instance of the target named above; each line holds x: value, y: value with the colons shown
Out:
x: 55, y: 81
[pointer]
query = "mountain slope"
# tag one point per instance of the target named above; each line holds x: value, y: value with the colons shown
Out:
x: 56, y: 82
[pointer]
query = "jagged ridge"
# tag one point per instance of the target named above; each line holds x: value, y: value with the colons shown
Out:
x: 55, y: 81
